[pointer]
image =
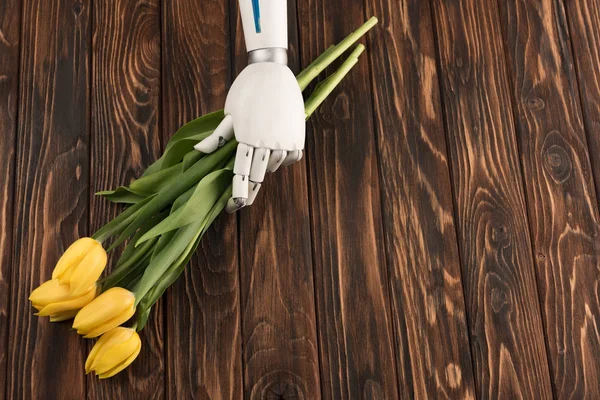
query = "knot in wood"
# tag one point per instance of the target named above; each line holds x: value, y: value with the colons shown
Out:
x: 500, y: 234
x: 77, y: 8
x: 499, y: 299
x: 283, y: 390
x: 535, y: 103
x: 341, y: 107
x: 556, y: 158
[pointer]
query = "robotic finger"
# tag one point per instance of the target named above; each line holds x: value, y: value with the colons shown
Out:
x: 277, y: 158
x: 260, y: 163
x: 218, y: 138
x: 292, y: 157
x: 241, y: 169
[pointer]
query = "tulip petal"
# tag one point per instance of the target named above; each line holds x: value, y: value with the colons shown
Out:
x: 72, y: 255
x: 106, y: 341
x: 121, y: 366
x: 88, y: 270
x: 117, y: 354
x: 107, y: 325
x: 109, y: 305
x: 69, y: 305
x: 49, y: 292
x: 63, y: 316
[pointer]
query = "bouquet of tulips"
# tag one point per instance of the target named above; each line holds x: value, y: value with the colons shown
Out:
x: 167, y: 210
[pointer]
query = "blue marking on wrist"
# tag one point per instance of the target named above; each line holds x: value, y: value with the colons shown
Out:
x: 256, y: 10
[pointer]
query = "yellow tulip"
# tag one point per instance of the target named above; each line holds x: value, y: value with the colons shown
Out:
x: 81, y: 265
x: 53, y: 299
x: 113, y: 352
x: 105, y: 312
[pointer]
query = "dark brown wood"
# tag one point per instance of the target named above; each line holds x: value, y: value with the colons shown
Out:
x: 125, y: 139
x: 433, y: 354
x: 51, y: 194
x: 583, y: 17
x: 563, y: 212
x: 398, y: 260
x: 9, y: 85
x: 281, y: 358
x: 351, y: 279
x: 507, y: 338
x: 203, y: 318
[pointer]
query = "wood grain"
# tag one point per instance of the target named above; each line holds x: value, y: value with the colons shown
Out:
x: 432, y: 338
x: 583, y: 17
x: 9, y: 86
x: 563, y: 212
x: 203, y: 318
x: 125, y: 139
x: 507, y: 337
x: 51, y: 196
x: 281, y: 358
x: 351, y: 278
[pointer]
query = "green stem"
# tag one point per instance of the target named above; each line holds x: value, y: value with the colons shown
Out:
x: 332, y: 54
x: 325, y: 88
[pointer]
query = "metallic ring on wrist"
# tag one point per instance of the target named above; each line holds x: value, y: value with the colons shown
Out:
x: 272, y: 54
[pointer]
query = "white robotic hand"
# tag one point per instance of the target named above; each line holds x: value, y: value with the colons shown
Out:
x: 264, y: 108
x: 265, y: 111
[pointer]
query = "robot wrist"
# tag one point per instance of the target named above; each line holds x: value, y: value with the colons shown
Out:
x: 272, y: 54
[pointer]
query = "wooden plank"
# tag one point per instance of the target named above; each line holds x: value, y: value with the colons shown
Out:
x: 51, y: 197
x: 9, y: 81
x: 278, y: 307
x: 125, y: 139
x: 433, y: 354
x: 583, y: 17
x: 203, y: 322
x: 355, y: 323
x: 563, y: 212
x: 504, y: 315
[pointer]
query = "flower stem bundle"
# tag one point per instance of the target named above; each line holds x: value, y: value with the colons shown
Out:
x: 167, y: 211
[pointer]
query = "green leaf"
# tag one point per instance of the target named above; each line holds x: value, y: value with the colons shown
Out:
x: 208, y: 122
x: 124, y: 277
x: 121, y: 221
x: 190, y: 159
x: 165, y: 258
x: 152, y: 183
x: 129, y: 280
x: 188, y: 136
x: 153, y: 168
x: 176, y: 188
x: 165, y: 238
x: 203, y: 124
x: 173, y: 272
x: 207, y: 192
x: 130, y: 250
x: 121, y: 195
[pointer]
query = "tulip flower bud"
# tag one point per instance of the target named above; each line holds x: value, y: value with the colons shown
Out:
x: 113, y: 352
x: 81, y: 265
x: 105, y: 312
x: 55, y: 300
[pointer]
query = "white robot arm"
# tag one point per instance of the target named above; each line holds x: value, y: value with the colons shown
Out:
x: 265, y: 24
x: 264, y: 108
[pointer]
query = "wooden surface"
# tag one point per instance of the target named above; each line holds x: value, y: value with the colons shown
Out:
x: 440, y: 239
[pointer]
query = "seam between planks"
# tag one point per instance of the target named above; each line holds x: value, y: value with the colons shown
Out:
x: 311, y: 228
x: 521, y: 167
x: 233, y: 17
x: 443, y: 107
x: 89, y: 93
x: 586, y: 128
x: 13, y: 250
x: 161, y: 125
x: 386, y: 256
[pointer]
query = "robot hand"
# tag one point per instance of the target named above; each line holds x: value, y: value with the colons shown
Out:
x: 265, y: 111
x: 264, y: 108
